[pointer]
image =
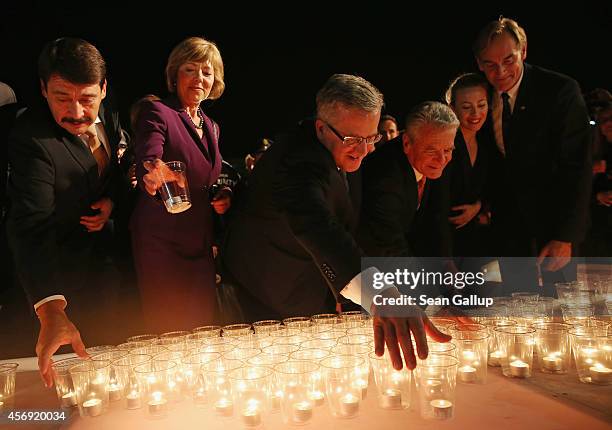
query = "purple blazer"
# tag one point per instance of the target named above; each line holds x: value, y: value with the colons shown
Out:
x: 165, y: 131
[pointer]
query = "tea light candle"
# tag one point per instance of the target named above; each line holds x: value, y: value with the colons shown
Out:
x: 600, y: 374
x: 92, y: 407
x: 317, y: 397
x: 442, y: 409
x: 158, y: 404
x: 552, y: 362
x: 68, y: 400
x: 114, y: 392
x: 391, y: 399
x: 302, y: 412
x: 133, y: 400
x: 251, y: 417
x: 224, y: 407
x: 495, y: 358
x: 519, y: 369
x: 349, y: 405
x: 467, y: 374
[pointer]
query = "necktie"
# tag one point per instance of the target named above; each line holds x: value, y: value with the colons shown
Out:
x: 97, y: 149
x: 420, y: 189
x: 506, y: 116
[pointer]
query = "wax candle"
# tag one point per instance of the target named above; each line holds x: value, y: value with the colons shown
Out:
x: 92, y: 407
x: 302, y: 412
x: 133, y: 400
x: 349, y: 405
x: 467, y: 373
x: 224, y: 407
x: 251, y: 416
x: 552, y: 363
x: 114, y: 392
x: 495, y: 358
x: 600, y: 374
x: 68, y: 400
x: 391, y: 399
x: 157, y: 405
x: 442, y: 409
x: 317, y: 397
x: 519, y: 369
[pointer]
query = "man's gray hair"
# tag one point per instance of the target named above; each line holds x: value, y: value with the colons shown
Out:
x: 349, y: 91
x: 432, y: 114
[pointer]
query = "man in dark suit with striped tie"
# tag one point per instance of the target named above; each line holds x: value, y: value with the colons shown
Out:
x: 63, y: 179
x: 542, y: 168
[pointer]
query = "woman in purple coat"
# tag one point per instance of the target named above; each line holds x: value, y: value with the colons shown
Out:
x: 173, y: 252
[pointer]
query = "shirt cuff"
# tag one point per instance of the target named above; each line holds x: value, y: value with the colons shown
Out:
x: 48, y: 299
x: 361, y: 288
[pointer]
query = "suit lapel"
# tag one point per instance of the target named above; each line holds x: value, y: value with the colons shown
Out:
x: 194, y: 134
x: 82, y: 155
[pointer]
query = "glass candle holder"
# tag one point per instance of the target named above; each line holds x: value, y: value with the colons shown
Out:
x: 270, y: 361
x: 494, y: 348
x: 90, y: 381
x: 443, y: 324
x: 354, y: 339
x: 526, y: 297
x: 266, y: 326
x: 251, y: 386
x: 297, y: 322
x: 155, y: 380
x: 366, y: 331
x: 290, y: 340
x: 95, y: 350
x: 362, y: 373
x: 437, y: 348
x: 329, y: 335
x: 516, y: 346
x: 340, y: 373
x: 220, y: 347
x: 593, y: 357
x: 63, y: 382
x: 114, y: 388
x: 310, y: 354
x: 297, y: 391
x: 126, y: 378
x: 195, y: 377
x: 149, y: 338
x: 552, y: 347
x: 280, y: 350
x: 243, y: 354
x: 327, y: 344
x: 324, y: 322
x: 393, y: 386
x: 235, y: 330
x: 285, y: 332
x: 219, y: 385
x: 354, y: 318
x: 208, y: 330
x: 254, y: 341
x: 148, y: 350
x: 8, y: 372
x: 472, y: 353
x: 577, y: 313
x: 436, y: 381
x: 172, y: 337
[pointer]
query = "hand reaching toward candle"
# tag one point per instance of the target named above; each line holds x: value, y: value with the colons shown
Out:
x: 396, y: 332
x: 55, y: 330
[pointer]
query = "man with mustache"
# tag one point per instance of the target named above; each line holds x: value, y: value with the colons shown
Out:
x: 63, y: 179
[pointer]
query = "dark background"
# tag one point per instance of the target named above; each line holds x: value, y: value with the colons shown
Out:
x: 276, y: 58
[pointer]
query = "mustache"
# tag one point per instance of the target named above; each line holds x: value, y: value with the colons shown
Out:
x: 75, y: 121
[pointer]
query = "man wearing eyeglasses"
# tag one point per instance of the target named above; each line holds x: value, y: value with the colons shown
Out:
x: 290, y: 246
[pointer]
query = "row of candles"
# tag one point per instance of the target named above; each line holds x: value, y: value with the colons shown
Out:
x: 308, y: 362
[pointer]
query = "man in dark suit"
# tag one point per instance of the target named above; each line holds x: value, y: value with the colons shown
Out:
x: 290, y: 246
x: 542, y: 168
x: 399, y: 216
x: 63, y: 171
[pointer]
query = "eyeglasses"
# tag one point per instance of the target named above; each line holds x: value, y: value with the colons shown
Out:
x: 352, y: 141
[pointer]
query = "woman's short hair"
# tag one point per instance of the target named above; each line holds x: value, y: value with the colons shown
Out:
x: 466, y: 80
x: 197, y: 50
